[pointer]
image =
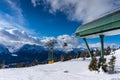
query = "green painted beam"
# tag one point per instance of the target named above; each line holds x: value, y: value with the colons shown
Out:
x: 101, y: 26
x: 102, y: 45
x: 90, y: 54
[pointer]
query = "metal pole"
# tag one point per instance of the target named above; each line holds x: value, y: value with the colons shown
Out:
x: 88, y: 48
x: 50, y: 56
x: 102, y: 45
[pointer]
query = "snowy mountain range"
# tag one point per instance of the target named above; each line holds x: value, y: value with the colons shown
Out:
x: 28, y: 53
x: 18, y: 46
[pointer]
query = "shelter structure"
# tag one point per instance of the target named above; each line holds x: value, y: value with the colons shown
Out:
x: 104, y: 26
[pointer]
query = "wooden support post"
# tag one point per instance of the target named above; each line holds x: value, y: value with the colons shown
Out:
x: 88, y: 48
x: 102, y: 46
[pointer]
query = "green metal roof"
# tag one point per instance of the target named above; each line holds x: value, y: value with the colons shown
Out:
x: 107, y: 25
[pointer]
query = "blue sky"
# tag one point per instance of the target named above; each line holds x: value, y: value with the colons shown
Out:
x: 47, y: 24
x: 51, y: 18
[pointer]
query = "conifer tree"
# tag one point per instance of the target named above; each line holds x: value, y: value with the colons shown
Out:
x: 112, y: 64
x: 93, y: 65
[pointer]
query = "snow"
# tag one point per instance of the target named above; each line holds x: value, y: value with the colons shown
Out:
x: 14, y: 55
x: 75, y: 69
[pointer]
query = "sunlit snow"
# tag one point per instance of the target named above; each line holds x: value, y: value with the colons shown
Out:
x: 75, y: 69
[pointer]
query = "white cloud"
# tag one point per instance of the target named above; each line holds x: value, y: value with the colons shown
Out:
x: 17, y: 11
x: 81, y: 10
x: 34, y: 2
x: 5, y: 24
x: 6, y: 21
x: 37, y: 2
x: 14, y: 18
x: 70, y: 40
x: 46, y: 39
x: 14, y: 38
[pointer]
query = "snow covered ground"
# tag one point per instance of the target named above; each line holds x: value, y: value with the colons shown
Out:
x: 75, y: 69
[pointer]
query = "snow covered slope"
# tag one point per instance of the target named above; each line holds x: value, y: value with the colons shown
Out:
x: 75, y: 69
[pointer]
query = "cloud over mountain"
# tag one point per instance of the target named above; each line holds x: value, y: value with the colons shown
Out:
x: 71, y: 41
x: 14, y: 39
